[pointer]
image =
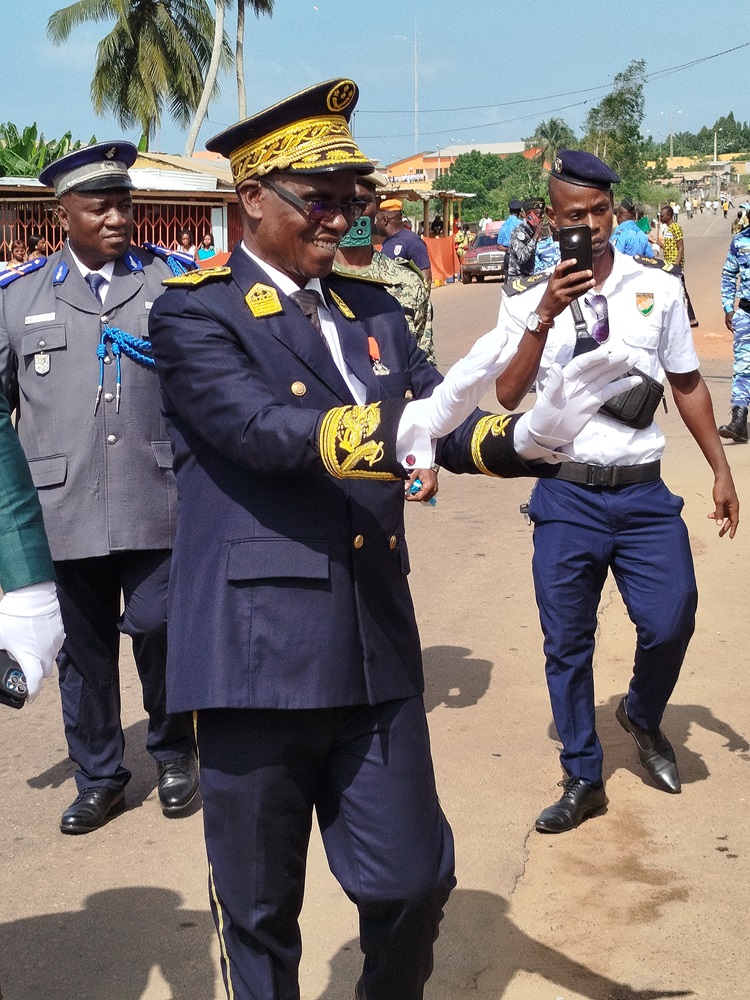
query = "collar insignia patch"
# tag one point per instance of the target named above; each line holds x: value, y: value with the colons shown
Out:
x: 343, y: 307
x: 263, y: 300
x: 61, y: 273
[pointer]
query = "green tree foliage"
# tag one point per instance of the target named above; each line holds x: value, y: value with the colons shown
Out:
x: 549, y: 136
x: 154, y: 58
x: 494, y: 180
x: 26, y: 153
x: 612, y: 128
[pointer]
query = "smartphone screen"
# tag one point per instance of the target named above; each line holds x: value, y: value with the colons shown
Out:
x: 575, y: 243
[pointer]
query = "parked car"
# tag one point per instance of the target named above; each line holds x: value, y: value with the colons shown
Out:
x: 484, y: 258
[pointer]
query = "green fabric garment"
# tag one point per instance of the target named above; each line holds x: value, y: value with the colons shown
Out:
x: 24, y: 551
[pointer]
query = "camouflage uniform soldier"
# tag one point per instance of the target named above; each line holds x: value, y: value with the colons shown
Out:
x: 358, y: 258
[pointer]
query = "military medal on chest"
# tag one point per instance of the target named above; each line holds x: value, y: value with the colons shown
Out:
x: 41, y: 363
x: 377, y: 365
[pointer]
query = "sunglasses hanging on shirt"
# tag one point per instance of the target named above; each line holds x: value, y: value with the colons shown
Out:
x: 635, y: 407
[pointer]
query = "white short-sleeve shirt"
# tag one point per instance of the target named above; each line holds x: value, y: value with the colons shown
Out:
x: 647, y: 319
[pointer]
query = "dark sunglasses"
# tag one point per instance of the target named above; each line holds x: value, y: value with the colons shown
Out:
x: 600, y: 330
x: 318, y: 210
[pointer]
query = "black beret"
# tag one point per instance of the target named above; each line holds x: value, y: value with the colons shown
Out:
x: 575, y: 166
x: 514, y: 205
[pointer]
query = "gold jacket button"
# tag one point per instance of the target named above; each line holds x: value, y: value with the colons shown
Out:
x: 408, y: 394
x: 358, y: 541
x: 299, y: 388
x: 392, y: 542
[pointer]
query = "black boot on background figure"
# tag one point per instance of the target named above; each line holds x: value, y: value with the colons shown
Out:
x: 736, y: 429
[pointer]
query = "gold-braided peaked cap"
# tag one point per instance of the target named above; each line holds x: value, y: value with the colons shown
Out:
x: 305, y: 133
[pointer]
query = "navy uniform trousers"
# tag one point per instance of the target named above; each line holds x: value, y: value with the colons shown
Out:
x: 90, y: 593
x: 580, y: 533
x: 367, y: 773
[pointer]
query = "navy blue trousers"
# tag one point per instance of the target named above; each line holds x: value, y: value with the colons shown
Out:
x: 367, y: 772
x: 579, y: 534
x: 90, y: 593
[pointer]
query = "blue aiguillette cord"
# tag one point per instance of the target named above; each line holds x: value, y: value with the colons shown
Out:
x: 122, y: 343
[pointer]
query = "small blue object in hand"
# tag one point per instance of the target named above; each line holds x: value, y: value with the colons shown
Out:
x: 415, y: 487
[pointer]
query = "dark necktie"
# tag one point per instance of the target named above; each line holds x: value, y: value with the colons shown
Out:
x: 95, y: 282
x: 308, y: 301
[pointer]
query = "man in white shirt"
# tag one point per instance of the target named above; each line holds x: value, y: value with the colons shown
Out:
x: 608, y: 508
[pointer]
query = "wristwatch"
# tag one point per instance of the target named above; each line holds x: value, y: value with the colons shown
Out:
x: 535, y: 322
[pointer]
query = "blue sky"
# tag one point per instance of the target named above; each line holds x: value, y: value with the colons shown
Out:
x: 475, y: 57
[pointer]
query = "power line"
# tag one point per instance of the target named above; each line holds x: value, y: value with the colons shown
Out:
x: 655, y: 75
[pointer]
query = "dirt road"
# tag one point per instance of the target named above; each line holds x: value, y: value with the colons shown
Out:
x: 647, y: 900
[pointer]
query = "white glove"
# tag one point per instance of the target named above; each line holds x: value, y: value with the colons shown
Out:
x: 572, y: 395
x: 459, y: 393
x: 31, y: 630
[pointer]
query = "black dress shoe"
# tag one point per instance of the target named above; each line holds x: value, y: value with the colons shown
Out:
x: 654, y: 750
x: 178, y: 783
x: 578, y: 801
x: 91, y: 809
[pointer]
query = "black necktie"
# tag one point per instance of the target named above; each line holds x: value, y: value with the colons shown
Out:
x: 95, y: 282
x: 308, y: 301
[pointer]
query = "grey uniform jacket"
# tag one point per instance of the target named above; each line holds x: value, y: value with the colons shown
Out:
x: 104, y: 479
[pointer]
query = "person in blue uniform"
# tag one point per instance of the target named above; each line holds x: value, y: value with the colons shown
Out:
x: 400, y: 242
x: 515, y: 211
x: 735, y: 300
x: 628, y: 237
x: 76, y: 366
x: 299, y: 408
x: 608, y: 508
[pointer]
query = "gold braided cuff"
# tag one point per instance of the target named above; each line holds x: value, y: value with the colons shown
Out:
x: 358, y: 442
x: 487, y: 431
x: 310, y: 144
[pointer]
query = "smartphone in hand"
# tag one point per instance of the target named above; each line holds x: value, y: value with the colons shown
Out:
x: 575, y: 243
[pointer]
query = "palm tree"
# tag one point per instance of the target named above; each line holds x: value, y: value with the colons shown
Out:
x: 154, y: 57
x: 260, y: 7
x: 551, y: 135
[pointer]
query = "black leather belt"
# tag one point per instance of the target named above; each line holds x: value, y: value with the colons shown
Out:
x: 608, y: 475
x: 744, y: 304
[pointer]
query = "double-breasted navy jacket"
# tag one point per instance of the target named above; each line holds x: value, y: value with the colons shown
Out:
x: 289, y: 583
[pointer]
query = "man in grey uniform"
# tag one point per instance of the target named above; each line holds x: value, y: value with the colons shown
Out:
x: 76, y: 366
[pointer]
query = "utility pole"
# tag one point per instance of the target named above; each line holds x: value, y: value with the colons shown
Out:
x: 416, y: 90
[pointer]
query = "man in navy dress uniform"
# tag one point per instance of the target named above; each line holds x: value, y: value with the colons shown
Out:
x: 608, y: 508
x: 76, y: 366
x: 297, y: 402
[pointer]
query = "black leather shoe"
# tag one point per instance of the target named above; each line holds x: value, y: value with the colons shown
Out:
x: 178, y: 783
x: 577, y: 802
x: 654, y: 750
x: 91, y: 809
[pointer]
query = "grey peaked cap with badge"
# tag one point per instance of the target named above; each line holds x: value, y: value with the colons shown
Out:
x: 100, y: 167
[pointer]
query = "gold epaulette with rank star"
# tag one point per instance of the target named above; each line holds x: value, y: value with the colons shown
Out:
x: 348, y: 444
x: 662, y: 265
x: 194, y: 278
x: 515, y: 285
